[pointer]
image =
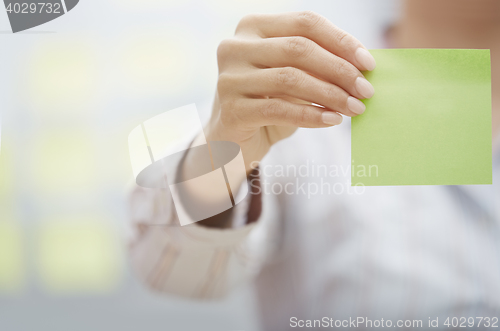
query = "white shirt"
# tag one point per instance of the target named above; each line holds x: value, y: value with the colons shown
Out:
x: 397, y: 253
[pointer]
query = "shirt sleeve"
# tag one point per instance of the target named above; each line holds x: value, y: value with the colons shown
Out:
x: 193, y: 260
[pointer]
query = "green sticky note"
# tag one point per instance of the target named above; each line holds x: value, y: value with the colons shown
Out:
x: 429, y: 122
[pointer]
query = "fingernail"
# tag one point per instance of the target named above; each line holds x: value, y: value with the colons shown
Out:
x: 355, y: 105
x: 364, y: 87
x: 365, y: 59
x: 331, y: 118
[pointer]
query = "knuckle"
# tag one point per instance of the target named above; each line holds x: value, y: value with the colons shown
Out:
x: 331, y: 93
x: 302, y: 116
x: 225, y: 83
x: 225, y: 49
x: 272, y: 109
x: 246, y: 21
x: 343, y: 39
x: 288, y: 78
x: 345, y: 69
x: 338, y: 97
x: 297, y: 47
x: 298, y: 117
x: 308, y: 19
x: 226, y: 115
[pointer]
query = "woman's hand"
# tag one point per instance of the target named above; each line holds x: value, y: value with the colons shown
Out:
x: 274, y: 72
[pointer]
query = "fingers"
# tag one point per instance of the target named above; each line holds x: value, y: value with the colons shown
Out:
x: 314, y: 27
x: 306, y: 55
x: 251, y: 113
x: 299, y: 56
x: 292, y: 82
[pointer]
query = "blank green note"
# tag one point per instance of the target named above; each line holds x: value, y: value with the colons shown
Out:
x: 429, y: 122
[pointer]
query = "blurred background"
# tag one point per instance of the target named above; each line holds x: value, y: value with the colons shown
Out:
x: 71, y: 90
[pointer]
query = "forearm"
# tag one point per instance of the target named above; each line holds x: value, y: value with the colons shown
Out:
x: 192, y: 261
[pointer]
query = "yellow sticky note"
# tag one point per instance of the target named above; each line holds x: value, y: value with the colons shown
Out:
x: 429, y: 122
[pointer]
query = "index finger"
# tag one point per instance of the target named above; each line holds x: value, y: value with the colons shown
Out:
x: 313, y: 26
